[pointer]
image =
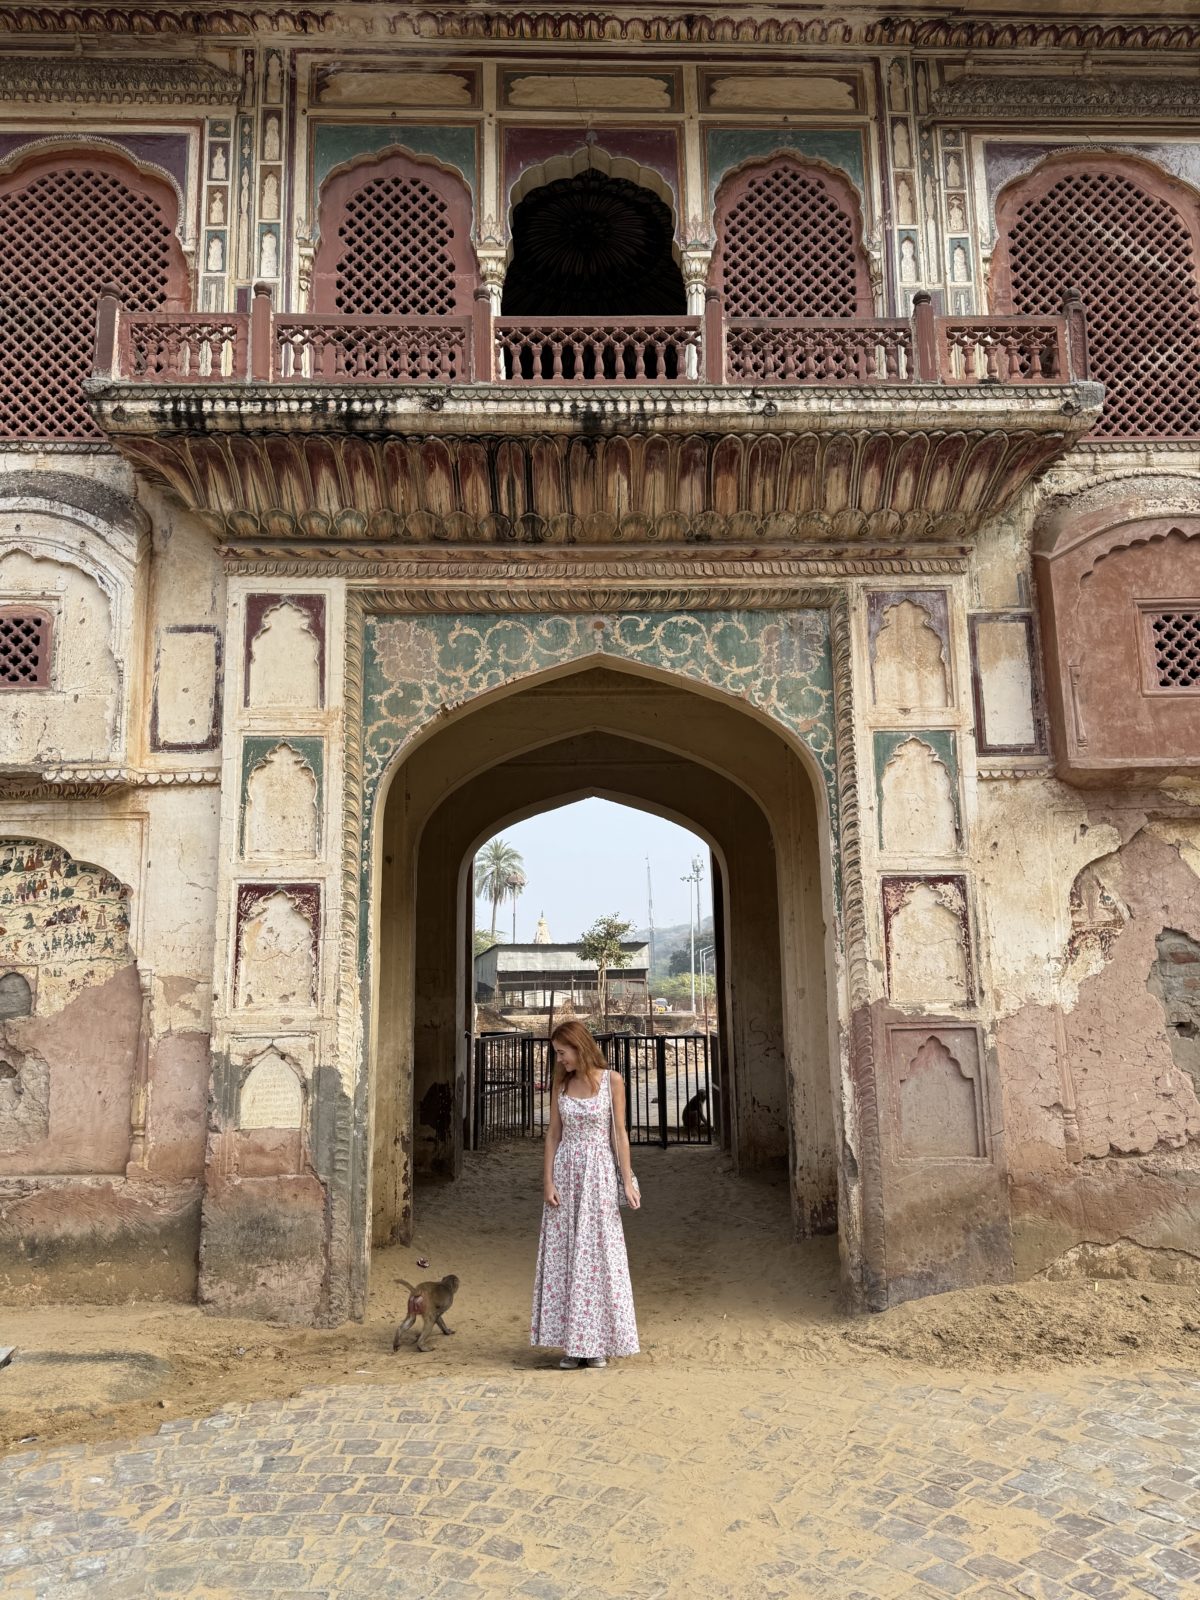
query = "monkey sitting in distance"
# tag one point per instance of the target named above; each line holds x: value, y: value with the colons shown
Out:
x: 695, y: 1118
x: 430, y: 1301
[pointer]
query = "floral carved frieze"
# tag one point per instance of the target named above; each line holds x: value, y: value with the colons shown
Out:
x: 893, y: 486
x: 1025, y: 96
x: 416, y: 667
x: 112, y: 81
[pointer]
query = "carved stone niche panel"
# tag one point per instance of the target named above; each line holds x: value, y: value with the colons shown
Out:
x: 908, y: 639
x: 276, y: 945
x: 284, y: 664
x: 1002, y: 682
x: 916, y: 782
x: 940, y: 1099
x: 271, y: 1105
x: 926, y: 930
x: 281, y: 798
x: 272, y: 1094
x: 1119, y: 598
x: 186, y: 707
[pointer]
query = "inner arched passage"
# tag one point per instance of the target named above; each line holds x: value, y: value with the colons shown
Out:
x: 649, y: 742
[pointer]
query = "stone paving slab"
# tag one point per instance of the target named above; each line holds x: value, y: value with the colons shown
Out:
x: 855, y: 1485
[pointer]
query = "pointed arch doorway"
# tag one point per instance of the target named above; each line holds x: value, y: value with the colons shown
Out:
x: 645, y: 738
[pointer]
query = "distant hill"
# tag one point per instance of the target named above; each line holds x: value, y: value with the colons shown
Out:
x: 676, y: 937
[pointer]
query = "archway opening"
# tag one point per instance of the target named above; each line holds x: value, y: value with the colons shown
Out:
x: 592, y: 245
x: 653, y: 742
x: 598, y: 911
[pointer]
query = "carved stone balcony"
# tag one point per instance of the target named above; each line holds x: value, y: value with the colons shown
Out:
x: 474, y: 429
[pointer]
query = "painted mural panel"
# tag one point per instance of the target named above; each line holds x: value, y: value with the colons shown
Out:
x: 65, y: 918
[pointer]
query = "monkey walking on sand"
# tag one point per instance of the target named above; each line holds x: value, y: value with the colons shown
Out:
x: 429, y: 1301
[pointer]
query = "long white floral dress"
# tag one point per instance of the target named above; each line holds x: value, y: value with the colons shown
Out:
x: 582, y: 1297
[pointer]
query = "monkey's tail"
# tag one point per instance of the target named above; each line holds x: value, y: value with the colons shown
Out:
x: 411, y: 1287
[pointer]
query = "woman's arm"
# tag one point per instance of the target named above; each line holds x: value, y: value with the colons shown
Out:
x: 553, y: 1140
x: 624, y: 1158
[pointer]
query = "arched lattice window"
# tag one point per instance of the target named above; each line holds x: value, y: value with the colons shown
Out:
x: 71, y: 226
x: 1126, y: 238
x: 788, y: 243
x: 395, y: 241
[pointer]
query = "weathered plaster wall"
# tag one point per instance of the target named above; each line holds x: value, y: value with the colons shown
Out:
x: 107, y: 892
x: 1089, y: 900
x: 75, y: 717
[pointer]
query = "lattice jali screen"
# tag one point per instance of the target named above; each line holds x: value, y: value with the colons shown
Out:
x: 67, y: 232
x: 395, y: 240
x: 1133, y: 259
x: 398, y: 255
x: 789, y: 247
x: 24, y: 648
x: 1176, y: 638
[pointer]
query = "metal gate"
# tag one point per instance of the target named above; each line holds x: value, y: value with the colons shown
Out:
x: 670, y: 1085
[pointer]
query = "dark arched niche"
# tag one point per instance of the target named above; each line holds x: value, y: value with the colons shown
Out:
x: 593, y: 245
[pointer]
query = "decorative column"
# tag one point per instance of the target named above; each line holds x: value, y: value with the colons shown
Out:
x: 275, y: 1234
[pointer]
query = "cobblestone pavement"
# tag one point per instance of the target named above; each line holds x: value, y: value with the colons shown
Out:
x: 853, y: 1484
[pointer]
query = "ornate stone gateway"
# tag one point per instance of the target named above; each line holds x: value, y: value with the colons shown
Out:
x: 414, y: 429
x: 693, y: 559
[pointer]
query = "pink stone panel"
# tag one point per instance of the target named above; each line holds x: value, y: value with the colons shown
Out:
x: 89, y: 1049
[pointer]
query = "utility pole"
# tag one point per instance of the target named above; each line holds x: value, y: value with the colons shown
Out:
x: 708, y: 951
x: 694, y: 877
x: 650, y: 915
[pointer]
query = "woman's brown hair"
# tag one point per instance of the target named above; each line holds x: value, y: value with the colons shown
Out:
x: 591, y: 1058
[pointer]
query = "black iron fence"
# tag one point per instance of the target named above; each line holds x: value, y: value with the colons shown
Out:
x: 670, y: 1085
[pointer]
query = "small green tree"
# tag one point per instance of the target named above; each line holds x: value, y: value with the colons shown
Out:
x: 495, y: 867
x: 484, y: 941
x: 678, y: 989
x: 601, y: 943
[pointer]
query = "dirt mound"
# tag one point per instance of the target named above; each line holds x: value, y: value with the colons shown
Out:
x: 1039, y: 1325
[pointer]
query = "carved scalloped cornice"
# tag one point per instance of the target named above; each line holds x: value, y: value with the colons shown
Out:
x: 650, y: 583
x: 956, y: 33
x: 87, y: 782
x: 974, y: 97
x: 106, y: 81
x: 660, y: 569
x: 681, y: 27
x: 152, y: 21
x: 715, y: 476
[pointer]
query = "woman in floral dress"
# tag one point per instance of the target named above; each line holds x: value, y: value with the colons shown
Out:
x: 582, y: 1299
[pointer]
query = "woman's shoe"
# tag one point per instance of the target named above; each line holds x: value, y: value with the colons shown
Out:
x: 597, y: 1361
x: 571, y: 1361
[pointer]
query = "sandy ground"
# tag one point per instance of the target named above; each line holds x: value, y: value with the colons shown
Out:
x: 717, y: 1281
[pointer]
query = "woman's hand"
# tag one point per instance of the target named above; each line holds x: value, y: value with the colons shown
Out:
x: 551, y: 1194
x: 632, y: 1197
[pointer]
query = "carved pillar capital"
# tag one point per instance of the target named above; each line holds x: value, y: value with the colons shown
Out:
x: 492, y: 268
x: 696, y: 265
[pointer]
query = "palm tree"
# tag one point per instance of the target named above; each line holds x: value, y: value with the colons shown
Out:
x: 495, y: 865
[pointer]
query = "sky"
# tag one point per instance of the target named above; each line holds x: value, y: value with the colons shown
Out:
x: 588, y: 859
